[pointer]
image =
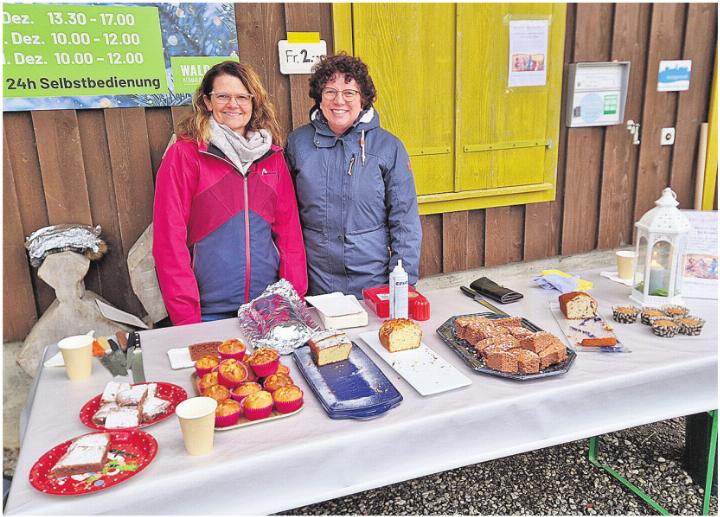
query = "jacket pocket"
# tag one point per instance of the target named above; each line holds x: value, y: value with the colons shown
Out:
x: 367, y: 230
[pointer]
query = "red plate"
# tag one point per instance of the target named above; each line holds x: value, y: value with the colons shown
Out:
x: 165, y: 390
x: 130, y: 452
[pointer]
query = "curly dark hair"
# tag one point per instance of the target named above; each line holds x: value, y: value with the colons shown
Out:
x: 351, y: 67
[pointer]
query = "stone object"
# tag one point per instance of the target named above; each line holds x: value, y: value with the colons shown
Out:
x: 73, y: 312
x: 144, y: 282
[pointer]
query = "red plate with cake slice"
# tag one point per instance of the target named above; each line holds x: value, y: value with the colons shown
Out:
x: 129, y: 453
x: 165, y: 390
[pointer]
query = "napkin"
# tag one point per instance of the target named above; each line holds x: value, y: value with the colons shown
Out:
x: 180, y: 358
x: 612, y: 275
x: 563, y: 282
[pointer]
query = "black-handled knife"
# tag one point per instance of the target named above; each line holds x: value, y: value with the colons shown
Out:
x: 482, y: 301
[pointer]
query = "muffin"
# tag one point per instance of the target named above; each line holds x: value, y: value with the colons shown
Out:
x: 257, y: 405
x: 205, y: 365
x: 275, y: 381
x: 264, y: 361
x: 288, y: 399
x: 232, y: 349
x: 217, y: 392
x: 227, y: 413
x: 625, y: 313
x: 231, y: 373
x: 675, y: 311
x: 283, y: 369
x: 650, y: 312
x: 207, y: 380
x: 690, y: 325
x: 665, y: 327
x: 246, y: 388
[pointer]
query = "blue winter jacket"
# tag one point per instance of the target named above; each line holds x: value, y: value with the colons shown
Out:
x: 359, y: 216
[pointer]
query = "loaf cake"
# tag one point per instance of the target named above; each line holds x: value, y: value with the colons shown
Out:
x: 86, y: 454
x: 599, y: 341
x: 400, y: 334
x: 576, y: 305
x: 329, y: 346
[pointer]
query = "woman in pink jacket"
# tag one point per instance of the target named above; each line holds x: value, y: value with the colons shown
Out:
x: 225, y: 216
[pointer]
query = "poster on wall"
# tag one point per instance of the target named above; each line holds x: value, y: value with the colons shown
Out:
x: 700, y: 263
x: 528, y: 53
x: 674, y: 76
x: 77, y: 56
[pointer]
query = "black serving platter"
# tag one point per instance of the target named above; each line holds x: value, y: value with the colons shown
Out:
x: 472, y: 357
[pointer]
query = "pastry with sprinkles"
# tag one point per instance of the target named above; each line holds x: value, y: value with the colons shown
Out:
x: 691, y: 325
x: 648, y: 313
x: 625, y: 313
x: 665, y: 327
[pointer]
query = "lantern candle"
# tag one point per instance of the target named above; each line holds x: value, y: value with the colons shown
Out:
x: 657, y: 280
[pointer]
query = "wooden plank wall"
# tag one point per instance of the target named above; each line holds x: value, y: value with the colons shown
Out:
x: 98, y: 166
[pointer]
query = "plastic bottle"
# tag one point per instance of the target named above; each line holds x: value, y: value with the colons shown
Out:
x: 398, y: 292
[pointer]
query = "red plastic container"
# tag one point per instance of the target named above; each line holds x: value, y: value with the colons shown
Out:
x: 378, y: 300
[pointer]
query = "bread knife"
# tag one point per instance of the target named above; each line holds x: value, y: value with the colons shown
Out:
x: 482, y: 301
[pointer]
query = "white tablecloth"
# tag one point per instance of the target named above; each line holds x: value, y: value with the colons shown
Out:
x: 308, y: 457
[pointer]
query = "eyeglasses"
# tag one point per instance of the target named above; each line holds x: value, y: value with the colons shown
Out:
x: 329, y: 94
x: 224, y: 98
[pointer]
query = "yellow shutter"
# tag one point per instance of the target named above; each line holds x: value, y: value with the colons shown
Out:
x: 441, y: 72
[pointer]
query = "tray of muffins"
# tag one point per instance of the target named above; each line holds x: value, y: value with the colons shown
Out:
x: 249, y: 389
x: 506, y: 346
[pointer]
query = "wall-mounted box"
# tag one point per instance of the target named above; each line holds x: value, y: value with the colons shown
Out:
x: 597, y: 93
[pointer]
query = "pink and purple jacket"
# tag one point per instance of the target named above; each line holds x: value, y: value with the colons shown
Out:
x: 220, y: 238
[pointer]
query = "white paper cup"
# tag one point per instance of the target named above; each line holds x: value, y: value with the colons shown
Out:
x: 625, y: 264
x: 77, y: 355
x: 197, y: 422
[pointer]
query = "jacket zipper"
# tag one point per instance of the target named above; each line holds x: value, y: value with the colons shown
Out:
x: 352, y: 162
x: 247, y: 222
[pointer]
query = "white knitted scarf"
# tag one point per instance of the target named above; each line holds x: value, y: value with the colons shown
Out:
x: 240, y: 150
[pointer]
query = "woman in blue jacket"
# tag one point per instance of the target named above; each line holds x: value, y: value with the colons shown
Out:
x: 355, y: 189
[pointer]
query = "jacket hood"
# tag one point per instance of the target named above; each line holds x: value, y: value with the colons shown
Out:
x: 368, y: 119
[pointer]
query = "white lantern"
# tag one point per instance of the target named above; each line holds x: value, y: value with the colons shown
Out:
x: 660, y: 246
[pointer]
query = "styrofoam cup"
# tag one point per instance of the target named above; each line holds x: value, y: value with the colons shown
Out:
x: 197, y: 422
x: 625, y: 264
x: 77, y: 355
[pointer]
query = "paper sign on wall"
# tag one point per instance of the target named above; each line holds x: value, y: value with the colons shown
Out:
x: 299, y: 53
x: 674, y: 76
x: 700, y: 263
x: 528, y: 53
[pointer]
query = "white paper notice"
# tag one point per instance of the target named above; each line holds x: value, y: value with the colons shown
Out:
x: 700, y: 267
x: 528, y: 53
x: 114, y: 314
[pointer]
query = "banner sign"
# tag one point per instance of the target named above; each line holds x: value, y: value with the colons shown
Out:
x: 72, y: 56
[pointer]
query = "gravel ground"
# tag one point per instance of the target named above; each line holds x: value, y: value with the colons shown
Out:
x: 553, y: 481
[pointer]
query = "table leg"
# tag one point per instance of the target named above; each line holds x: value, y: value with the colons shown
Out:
x: 711, y: 462
x: 592, y: 456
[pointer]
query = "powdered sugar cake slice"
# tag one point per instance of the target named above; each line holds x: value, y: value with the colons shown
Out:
x: 421, y: 367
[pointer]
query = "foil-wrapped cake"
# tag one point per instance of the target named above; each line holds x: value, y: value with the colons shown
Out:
x: 278, y: 319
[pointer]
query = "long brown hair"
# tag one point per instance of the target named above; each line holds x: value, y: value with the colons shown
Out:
x: 197, y: 125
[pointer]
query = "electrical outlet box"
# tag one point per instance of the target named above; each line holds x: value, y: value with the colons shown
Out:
x: 667, y: 136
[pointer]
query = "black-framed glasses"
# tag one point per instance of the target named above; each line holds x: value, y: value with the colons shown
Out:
x: 329, y: 94
x: 224, y: 98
